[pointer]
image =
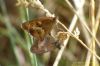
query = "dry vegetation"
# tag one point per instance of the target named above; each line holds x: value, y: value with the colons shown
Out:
x: 79, y: 18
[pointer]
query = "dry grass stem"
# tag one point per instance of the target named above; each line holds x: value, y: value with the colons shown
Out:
x: 77, y: 12
x: 83, y: 22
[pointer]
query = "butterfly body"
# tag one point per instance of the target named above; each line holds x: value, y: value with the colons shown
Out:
x: 40, y: 29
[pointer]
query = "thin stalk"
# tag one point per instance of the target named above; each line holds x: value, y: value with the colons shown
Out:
x: 38, y: 3
x: 73, y: 23
x: 92, y: 20
x: 97, y: 18
x: 49, y: 14
x: 85, y: 32
x: 83, y: 22
x: 8, y: 25
x: 25, y: 17
x: 66, y: 41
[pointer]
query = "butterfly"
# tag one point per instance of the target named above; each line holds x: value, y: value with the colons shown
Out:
x: 40, y: 29
x: 48, y: 44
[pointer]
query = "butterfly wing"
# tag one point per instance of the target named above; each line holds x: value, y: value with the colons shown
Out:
x: 40, y: 27
x: 43, y: 46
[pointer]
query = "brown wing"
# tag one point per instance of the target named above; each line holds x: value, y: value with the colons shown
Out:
x: 43, y: 49
x: 43, y: 22
x: 44, y: 46
x: 39, y: 27
x: 47, y: 24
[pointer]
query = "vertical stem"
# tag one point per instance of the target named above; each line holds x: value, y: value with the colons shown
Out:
x: 73, y: 23
x: 10, y: 28
x: 92, y: 19
x: 25, y: 17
